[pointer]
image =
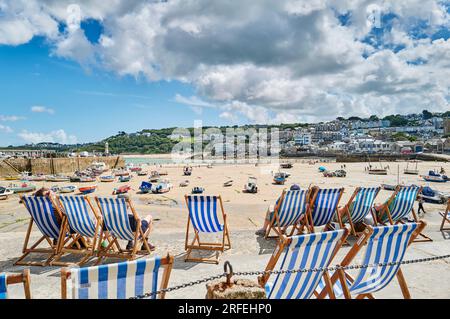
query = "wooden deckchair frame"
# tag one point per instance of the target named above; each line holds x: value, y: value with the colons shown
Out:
x: 276, y: 218
x: 53, y: 250
x: 342, y: 276
x: 196, y: 244
x: 114, y: 249
x: 445, y: 218
x: 346, y: 212
x: 309, y: 220
x: 22, y: 278
x: 377, y: 216
x: 286, y: 241
x: 90, y: 248
x: 166, y: 263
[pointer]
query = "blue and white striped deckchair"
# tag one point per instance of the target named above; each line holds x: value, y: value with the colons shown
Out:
x: 359, y: 206
x: 288, y: 211
x: 323, y: 207
x: 3, y: 286
x: 83, y: 219
x: 204, y: 217
x: 118, y: 281
x: 116, y: 214
x: 379, y: 245
x: 48, y: 219
x: 400, y: 206
x: 23, y: 278
x: 308, y: 251
x: 445, y: 217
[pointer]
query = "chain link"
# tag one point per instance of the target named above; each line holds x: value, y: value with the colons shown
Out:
x: 290, y: 271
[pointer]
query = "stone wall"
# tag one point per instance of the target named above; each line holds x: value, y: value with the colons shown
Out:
x: 56, y: 165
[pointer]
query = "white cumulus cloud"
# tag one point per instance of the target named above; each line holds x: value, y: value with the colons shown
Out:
x: 58, y: 136
x: 42, y: 109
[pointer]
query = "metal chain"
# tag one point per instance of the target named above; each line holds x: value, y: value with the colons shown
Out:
x: 291, y: 271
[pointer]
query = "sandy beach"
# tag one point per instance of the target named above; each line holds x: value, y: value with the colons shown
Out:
x: 245, y: 215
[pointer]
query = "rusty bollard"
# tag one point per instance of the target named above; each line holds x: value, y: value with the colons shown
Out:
x: 231, y: 288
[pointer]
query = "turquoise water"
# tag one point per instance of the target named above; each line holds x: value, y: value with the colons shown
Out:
x: 142, y: 160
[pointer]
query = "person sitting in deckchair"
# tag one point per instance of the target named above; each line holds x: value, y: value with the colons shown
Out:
x: 146, y: 223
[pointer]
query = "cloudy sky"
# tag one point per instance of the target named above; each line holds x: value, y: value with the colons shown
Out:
x: 80, y: 71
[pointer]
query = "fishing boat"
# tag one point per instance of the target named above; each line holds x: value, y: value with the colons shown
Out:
x: 121, y: 190
x: 322, y: 169
x: 23, y: 188
x: 162, y: 187
x: 187, y: 171
x: 184, y: 183
x: 87, y: 189
x: 5, y: 192
x: 121, y: 172
x: 107, y: 179
x: 295, y: 187
x: 388, y: 187
x: 145, y: 188
x: 57, y: 178
x: 286, y: 165
x: 12, y: 178
x: 87, y: 179
x: 251, y: 186
x: 376, y: 171
x: 228, y: 183
x: 136, y: 169
x: 67, y: 189
x: 75, y: 179
x: 411, y: 171
x: 98, y: 168
x: 125, y: 179
x: 142, y: 173
x: 37, y: 178
x: 154, y: 177
x: 279, y: 179
x: 198, y: 190
x: 435, y: 177
x: 430, y: 195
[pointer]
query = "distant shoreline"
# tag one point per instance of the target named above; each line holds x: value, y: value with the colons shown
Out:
x: 165, y: 156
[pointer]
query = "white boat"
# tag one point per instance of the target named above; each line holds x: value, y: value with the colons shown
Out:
x: 184, y: 183
x: 5, y: 192
x: 67, y: 189
x: 162, y: 187
x: 251, y: 186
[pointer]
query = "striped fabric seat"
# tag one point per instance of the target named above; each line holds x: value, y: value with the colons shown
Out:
x: 116, y: 281
x: 3, y: 286
x: 362, y: 204
x: 306, y: 251
x: 386, y: 244
x: 203, y: 212
x: 115, y: 217
x: 292, y: 208
x: 402, y: 204
x: 325, y: 206
x: 43, y: 214
x: 77, y: 212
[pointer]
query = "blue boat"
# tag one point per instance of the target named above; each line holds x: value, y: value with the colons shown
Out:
x: 145, y: 187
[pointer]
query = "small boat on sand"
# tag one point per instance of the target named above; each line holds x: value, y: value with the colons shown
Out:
x: 67, y: 189
x: 125, y: 179
x: 388, y: 187
x: 286, y: 165
x: 107, y: 179
x: 411, y: 171
x: 88, y: 189
x: 154, y: 177
x: 122, y: 190
x: 142, y: 173
x: 145, y: 188
x: 251, y: 186
x: 12, y: 178
x: 187, y: 171
x: 88, y: 179
x: 5, y: 192
x: 23, y: 188
x: 279, y: 179
x: 57, y: 178
x: 435, y: 177
x: 184, y: 183
x: 162, y: 187
x: 228, y: 183
x: 198, y: 190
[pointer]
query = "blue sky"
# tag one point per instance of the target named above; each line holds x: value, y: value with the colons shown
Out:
x: 89, y: 103
x: 82, y: 71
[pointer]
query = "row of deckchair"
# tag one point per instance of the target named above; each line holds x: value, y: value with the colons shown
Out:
x: 297, y: 210
x: 385, y: 245
x: 73, y: 225
x: 382, y: 248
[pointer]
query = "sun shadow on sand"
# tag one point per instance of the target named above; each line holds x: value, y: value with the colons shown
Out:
x: 179, y: 262
x: 8, y: 266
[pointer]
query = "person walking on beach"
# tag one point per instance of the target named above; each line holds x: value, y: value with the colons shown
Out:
x: 421, y: 210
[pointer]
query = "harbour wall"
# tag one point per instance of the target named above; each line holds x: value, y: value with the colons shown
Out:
x: 358, y: 158
x: 51, y: 166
